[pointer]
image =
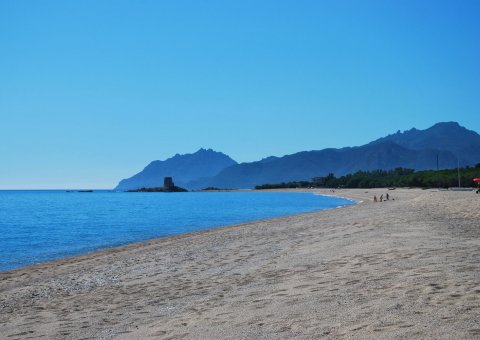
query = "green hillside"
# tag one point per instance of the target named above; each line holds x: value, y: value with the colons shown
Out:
x: 388, y: 178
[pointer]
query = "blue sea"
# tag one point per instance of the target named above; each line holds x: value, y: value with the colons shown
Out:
x: 38, y: 226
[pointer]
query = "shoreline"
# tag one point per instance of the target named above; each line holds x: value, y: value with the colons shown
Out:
x: 403, y: 268
x: 120, y: 247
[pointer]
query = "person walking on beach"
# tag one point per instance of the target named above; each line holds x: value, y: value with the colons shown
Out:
x: 381, y: 198
x: 375, y: 198
x: 388, y: 197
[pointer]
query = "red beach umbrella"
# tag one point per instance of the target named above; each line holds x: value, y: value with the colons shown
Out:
x: 477, y: 180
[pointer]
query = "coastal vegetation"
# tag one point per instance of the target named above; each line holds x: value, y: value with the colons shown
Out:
x: 399, y: 177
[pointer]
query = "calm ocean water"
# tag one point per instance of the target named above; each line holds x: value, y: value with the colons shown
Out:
x: 37, y: 226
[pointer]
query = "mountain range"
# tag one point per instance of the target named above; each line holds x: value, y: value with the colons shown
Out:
x: 416, y: 149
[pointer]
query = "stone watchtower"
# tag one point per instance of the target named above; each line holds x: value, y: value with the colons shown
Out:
x: 168, y: 182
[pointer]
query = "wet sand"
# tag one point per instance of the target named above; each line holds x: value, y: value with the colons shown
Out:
x: 407, y: 268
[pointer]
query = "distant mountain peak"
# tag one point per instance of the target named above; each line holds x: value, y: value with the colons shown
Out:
x: 448, y: 124
x: 441, y: 126
x: 440, y: 136
x: 184, y: 168
x: 201, y: 151
x: 209, y: 150
x: 445, y: 126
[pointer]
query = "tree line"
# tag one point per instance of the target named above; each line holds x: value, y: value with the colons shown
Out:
x: 399, y: 177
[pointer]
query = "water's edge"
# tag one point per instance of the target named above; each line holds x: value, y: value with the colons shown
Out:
x: 70, y: 259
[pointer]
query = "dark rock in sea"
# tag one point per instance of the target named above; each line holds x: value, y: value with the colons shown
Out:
x: 160, y: 189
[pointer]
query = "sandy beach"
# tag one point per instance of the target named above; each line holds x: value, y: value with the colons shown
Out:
x: 405, y: 268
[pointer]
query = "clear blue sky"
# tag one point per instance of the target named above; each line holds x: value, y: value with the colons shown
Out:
x: 91, y: 91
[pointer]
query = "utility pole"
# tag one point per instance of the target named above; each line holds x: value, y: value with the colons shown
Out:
x: 458, y: 169
x: 438, y: 179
